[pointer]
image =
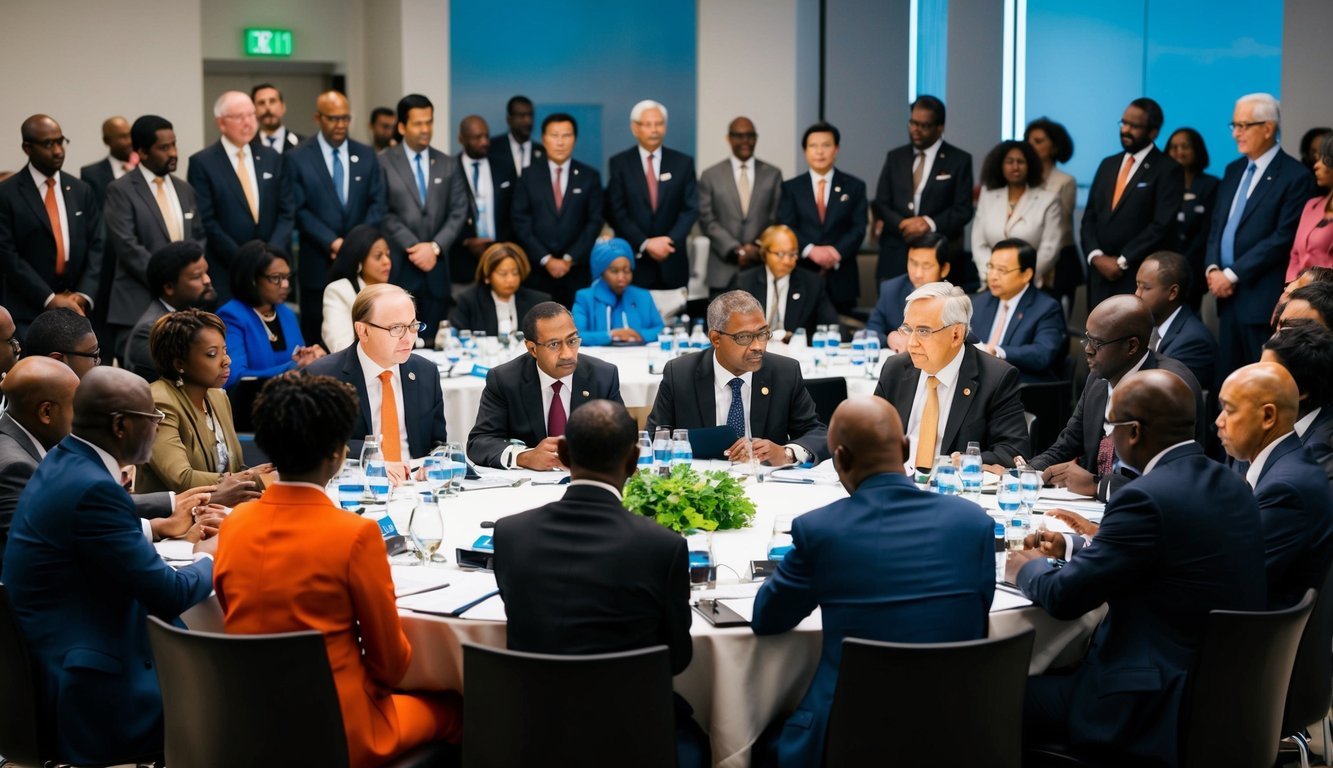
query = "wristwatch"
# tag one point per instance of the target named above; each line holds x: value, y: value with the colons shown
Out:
x: 1123, y: 263
x: 434, y: 246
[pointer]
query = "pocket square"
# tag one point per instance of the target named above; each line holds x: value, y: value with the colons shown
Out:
x: 355, y: 159
x: 267, y: 175
x: 844, y: 198
x: 189, y: 215
x: 439, y: 181
x: 504, y: 185
x: 1190, y: 195
x: 664, y: 177
x: 78, y: 213
x: 356, y: 178
x: 1141, y: 185
x: 576, y: 191
x: 944, y: 177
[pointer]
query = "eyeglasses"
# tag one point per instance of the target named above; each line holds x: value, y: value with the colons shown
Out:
x: 920, y: 126
x: 920, y: 332
x: 49, y: 144
x: 156, y: 416
x: 554, y: 345
x: 1095, y: 345
x: 337, y: 119
x: 1125, y: 423
x: 746, y: 338
x: 239, y: 116
x: 997, y: 269
x: 1131, y: 126
x: 399, y: 331
x: 784, y: 254
x: 1240, y: 127
x: 95, y: 355
x: 278, y: 279
x: 741, y: 135
x: 15, y: 344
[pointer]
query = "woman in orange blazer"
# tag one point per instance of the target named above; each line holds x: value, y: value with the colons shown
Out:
x: 292, y: 560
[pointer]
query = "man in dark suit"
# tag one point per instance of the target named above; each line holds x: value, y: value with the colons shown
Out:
x: 178, y: 278
x: 1306, y: 351
x: 827, y: 210
x: 1132, y: 204
x: 489, y: 202
x: 925, y: 186
x: 512, y: 152
x: 979, y: 402
x: 790, y: 298
x: 83, y: 580
x: 531, y: 397
x: 859, y: 561
x: 428, y: 205
x: 927, y: 262
x: 383, y: 128
x: 1259, y: 204
x: 241, y: 197
x: 738, y: 200
x: 120, y: 159
x: 145, y: 211
x: 1015, y: 321
x: 1163, y: 282
x: 734, y: 383
x: 652, y: 201
x: 583, y: 575
x: 400, y: 394
x: 557, y: 213
x: 1182, y: 540
x: 50, y: 231
x: 10, y: 344
x: 336, y: 184
x: 1083, y: 458
x: 1256, y: 425
x: 270, y: 108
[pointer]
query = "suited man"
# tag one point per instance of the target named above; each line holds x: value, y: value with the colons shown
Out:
x: 336, y: 184
x: 557, y: 213
x: 178, y: 278
x: 827, y: 210
x: 489, y: 200
x: 383, y: 127
x: 1257, y: 428
x: 1163, y: 283
x: 1259, y: 204
x: 1182, y: 540
x: 1132, y: 204
x: 1083, y: 458
x: 50, y: 230
x: 145, y: 211
x: 712, y: 387
x: 512, y: 152
x: 859, y: 561
x: 738, y: 200
x: 924, y: 186
x: 399, y: 392
x: 1016, y: 321
x: 927, y: 262
x: 240, y: 195
x: 428, y: 206
x: 270, y: 109
x: 583, y: 575
x: 790, y: 298
x: 83, y: 580
x: 120, y: 160
x: 652, y: 201
x: 10, y: 344
x: 1306, y: 351
x: 979, y: 402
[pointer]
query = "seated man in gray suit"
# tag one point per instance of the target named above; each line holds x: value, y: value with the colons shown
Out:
x: 738, y: 200
x: 178, y: 279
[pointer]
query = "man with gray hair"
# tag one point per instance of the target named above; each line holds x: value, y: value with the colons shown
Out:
x: 1260, y: 201
x: 734, y: 383
x: 966, y: 396
x: 651, y: 201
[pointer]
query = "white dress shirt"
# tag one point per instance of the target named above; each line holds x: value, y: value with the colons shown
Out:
x: 722, y: 393
x: 1003, y: 320
x: 521, y: 151
x: 506, y: 314
x: 927, y: 165
x: 597, y: 484
x: 776, y: 292
x: 948, y: 377
x: 1257, y: 466
x: 1138, y: 163
x: 1306, y: 421
x: 1161, y: 329
x: 1110, y: 392
x: 279, y: 137
x: 483, y: 192
x: 326, y: 149
x: 41, y: 450
x: 39, y: 179
x: 170, y: 189
x: 564, y: 192
x: 509, y: 458
x: 118, y: 167
x: 231, y: 150
x: 736, y: 166
x: 371, y: 370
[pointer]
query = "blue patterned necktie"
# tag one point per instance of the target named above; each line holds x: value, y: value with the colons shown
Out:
x: 736, y: 414
x: 338, y: 175
x: 421, y: 180
x: 482, y: 230
x: 1233, y: 220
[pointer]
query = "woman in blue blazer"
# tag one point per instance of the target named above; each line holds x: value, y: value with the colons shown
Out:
x: 263, y: 334
x: 611, y: 310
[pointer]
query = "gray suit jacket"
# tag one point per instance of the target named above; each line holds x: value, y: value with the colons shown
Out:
x: 138, y: 358
x: 407, y: 222
x: 135, y: 229
x: 721, y: 219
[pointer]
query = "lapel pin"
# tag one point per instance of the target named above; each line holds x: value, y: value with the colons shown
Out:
x: 763, y: 391
x: 967, y: 392
x: 411, y: 376
x: 795, y: 296
x: 576, y: 171
x: 355, y: 159
x: 837, y: 189
x: 585, y: 393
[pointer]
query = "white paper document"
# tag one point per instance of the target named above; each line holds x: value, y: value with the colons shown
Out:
x: 465, y: 588
x: 410, y: 580
x: 1007, y: 600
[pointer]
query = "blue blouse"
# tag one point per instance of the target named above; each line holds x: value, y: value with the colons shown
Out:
x: 597, y: 310
x: 248, y: 346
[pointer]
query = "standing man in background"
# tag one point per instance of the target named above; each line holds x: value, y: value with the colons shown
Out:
x: 489, y: 199
x: 382, y: 125
x: 270, y: 109
x: 513, y: 151
x: 738, y: 199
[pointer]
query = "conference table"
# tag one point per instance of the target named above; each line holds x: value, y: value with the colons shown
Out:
x: 737, y: 682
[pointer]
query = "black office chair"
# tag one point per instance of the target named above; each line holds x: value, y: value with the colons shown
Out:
x: 1311, y: 689
x: 1052, y: 403
x: 234, y: 700
x: 1034, y: 430
x: 537, y: 709
x: 826, y: 393
x: 242, y: 396
x: 909, y: 701
x: 20, y: 734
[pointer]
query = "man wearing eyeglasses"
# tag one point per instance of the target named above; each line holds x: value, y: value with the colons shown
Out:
x: 400, y: 394
x: 737, y: 385
x: 528, y: 400
x: 1014, y: 320
x: 738, y: 200
x: 66, y: 336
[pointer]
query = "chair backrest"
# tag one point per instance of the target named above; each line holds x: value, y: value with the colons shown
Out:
x: 1233, y: 709
x: 247, y: 699
x: 1311, y: 689
x: 912, y: 700
x: 1034, y: 425
x: 20, y: 735
x: 242, y: 396
x: 538, y: 709
x: 826, y: 393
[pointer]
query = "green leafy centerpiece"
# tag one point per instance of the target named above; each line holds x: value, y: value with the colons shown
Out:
x: 687, y: 500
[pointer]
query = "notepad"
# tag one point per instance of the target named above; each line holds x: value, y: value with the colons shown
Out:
x: 465, y: 589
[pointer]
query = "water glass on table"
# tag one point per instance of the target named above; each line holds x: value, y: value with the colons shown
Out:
x: 681, y: 451
x: 944, y: 478
x: 426, y: 529
x: 780, y: 543
x: 703, y: 572
x: 349, y: 485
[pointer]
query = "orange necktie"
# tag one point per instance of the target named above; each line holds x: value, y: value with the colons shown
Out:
x: 1122, y: 180
x: 390, y: 441
x: 819, y: 199
x: 53, y: 212
x: 930, y: 418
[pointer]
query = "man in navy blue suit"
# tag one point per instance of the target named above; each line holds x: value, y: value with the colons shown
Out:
x: 84, y: 577
x: 1306, y: 351
x: 1015, y: 321
x: 489, y: 198
x: 239, y: 190
x: 1181, y: 540
x: 826, y: 208
x: 1163, y: 282
x: 1259, y: 205
x: 513, y: 152
x: 927, y: 262
x: 335, y: 184
x: 860, y: 561
x: 651, y: 201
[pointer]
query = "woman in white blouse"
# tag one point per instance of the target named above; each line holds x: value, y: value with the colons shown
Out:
x: 1054, y: 146
x: 362, y: 260
x: 1013, y: 205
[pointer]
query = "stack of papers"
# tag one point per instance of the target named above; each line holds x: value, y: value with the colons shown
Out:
x: 411, y: 580
x: 465, y: 590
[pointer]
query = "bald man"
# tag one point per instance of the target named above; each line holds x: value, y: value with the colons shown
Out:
x: 861, y: 561
x: 490, y: 195
x: 1259, y: 408
x: 1181, y: 540
x: 738, y: 200
x: 120, y: 160
x: 12, y: 346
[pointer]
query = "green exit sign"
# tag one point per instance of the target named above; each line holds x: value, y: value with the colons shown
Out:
x: 268, y: 42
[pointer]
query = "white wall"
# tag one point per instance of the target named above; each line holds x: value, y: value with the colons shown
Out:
x: 1307, y: 62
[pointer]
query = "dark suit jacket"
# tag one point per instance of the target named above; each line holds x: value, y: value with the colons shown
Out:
x: 1189, y: 341
x: 887, y: 316
x: 1143, y: 222
x: 408, y: 222
x: 474, y: 309
x: 137, y: 355
x: 986, y: 408
x: 584, y: 575
x: 807, y: 302
x: 83, y: 581
x: 292, y: 139
x: 502, y: 161
x: 780, y: 409
x: 844, y: 228
x: 135, y: 230
x: 1174, y: 544
x: 1037, y: 337
x: 320, y: 218
x: 1296, y: 509
x: 630, y: 213
x: 462, y: 264
x: 860, y: 561
x: 1318, y: 441
x: 1197, y: 208
x: 1263, y: 239
x: 946, y: 198
x: 511, y: 404
x: 423, y: 409
x: 541, y: 230
x: 28, y: 246
x: 99, y: 176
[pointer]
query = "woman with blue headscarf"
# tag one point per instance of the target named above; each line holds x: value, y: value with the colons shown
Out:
x: 612, y: 311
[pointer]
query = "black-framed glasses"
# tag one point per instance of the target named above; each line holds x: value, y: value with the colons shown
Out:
x: 920, y: 332
x: 1244, y: 126
x: 337, y: 119
x: 95, y: 355
x: 1131, y: 126
x: 746, y: 338
x: 278, y: 279
x: 49, y: 144
x: 784, y: 255
x: 739, y: 135
x: 156, y: 416
x: 1095, y: 344
x: 399, y: 331
x: 999, y: 270
x: 920, y: 126
x: 554, y: 345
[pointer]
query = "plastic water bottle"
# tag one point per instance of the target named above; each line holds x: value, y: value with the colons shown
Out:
x: 798, y: 340
x: 662, y: 449
x: 682, y: 338
x: 859, y: 350
x: 972, y: 471
x: 1001, y: 550
x: 681, y: 452
x: 453, y: 348
x: 1009, y: 498
x: 698, y: 339
x: 944, y: 479
x: 819, y: 346
x: 834, y: 343
x: 469, y: 343
x: 442, y: 335
x: 645, y: 450
x: 872, y: 351
x: 377, y: 475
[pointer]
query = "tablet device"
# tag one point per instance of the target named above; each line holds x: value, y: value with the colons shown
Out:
x: 710, y: 442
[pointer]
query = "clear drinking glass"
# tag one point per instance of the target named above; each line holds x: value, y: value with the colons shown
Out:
x: 681, y: 452
x: 426, y: 529
x: 349, y: 485
x: 437, y: 470
x: 1029, y: 483
x: 944, y: 478
x: 703, y: 571
x: 780, y: 543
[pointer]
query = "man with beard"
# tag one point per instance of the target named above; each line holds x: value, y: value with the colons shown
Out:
x: 178, y: 278
x: 270, y: 108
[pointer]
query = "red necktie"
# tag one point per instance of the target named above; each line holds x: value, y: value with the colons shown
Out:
x: 555, y: 419
x: 53, y: 212
x: 819, y: 199
x: 652, y: 181
x: 555, y: 189
x: 1105, y: 456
